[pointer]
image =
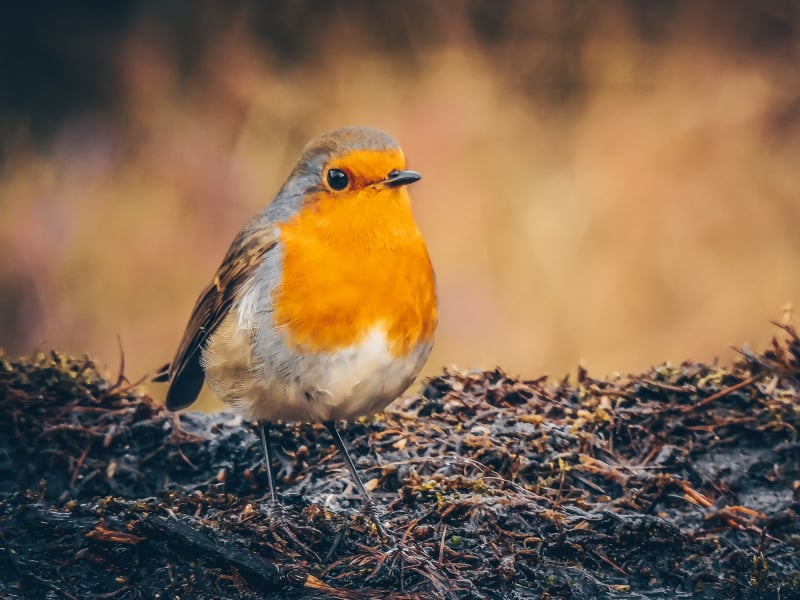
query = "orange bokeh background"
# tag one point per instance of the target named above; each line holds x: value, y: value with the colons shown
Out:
x: 600, y: 184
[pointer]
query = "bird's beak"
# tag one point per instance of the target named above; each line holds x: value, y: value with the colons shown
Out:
x: 397, y: 178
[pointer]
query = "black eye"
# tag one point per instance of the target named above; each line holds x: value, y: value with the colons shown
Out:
x: 337, y: 179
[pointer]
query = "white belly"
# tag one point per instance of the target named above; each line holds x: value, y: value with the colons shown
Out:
x: 264, y: 380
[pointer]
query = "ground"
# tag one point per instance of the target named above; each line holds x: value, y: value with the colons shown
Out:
x: 683, y: 481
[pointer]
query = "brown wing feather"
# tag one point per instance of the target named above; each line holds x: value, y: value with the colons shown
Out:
x: 245, y: 254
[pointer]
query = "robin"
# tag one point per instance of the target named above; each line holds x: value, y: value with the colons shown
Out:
x: 325, y: 306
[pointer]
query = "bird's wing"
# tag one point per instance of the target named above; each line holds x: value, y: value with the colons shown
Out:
x: 245, y: 254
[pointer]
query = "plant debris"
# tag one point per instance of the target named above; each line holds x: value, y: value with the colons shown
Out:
x: 680, y: 482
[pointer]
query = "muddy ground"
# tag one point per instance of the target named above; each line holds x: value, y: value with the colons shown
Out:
x: 680, y: 482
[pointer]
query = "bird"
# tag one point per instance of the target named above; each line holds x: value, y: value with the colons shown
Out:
x: 324, y: 307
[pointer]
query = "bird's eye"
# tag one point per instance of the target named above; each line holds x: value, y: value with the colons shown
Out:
x: 337, y: 179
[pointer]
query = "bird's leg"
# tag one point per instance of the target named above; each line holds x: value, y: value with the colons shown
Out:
x: 279, y: 519
x: 264, y: 428
x: 368, y: 504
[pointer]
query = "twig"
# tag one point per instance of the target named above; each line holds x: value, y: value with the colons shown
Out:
x: 721, y: 394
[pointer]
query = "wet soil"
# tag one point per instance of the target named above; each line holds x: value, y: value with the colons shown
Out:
x: 683, y: 481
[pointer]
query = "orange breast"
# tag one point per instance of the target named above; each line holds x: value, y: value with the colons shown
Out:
x: 351, y: 262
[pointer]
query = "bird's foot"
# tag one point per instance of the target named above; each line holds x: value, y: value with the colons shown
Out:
x: 284, y: 526
x: 369, y: 510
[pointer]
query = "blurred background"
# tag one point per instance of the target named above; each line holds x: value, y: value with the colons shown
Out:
x: 610, y: 182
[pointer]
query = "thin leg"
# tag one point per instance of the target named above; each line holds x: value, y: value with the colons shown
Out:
x: 264, y: 427
x: 337, y: 439
x: 278, y: 518
x: 369, y: 507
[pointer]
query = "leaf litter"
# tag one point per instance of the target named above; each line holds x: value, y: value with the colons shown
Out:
x: 683, y: 481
